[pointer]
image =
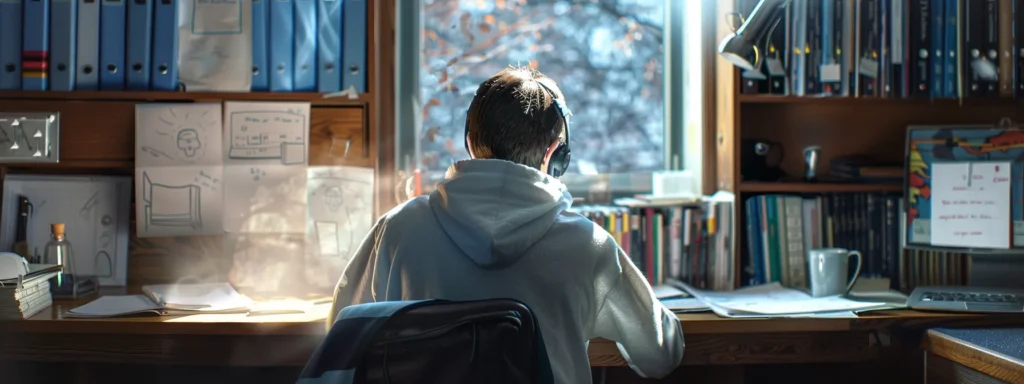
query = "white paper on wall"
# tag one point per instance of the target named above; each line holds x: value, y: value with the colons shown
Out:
x: 178, y: 169
x: 266, y: 152
x: 215, y: 45
x: 340, y: 201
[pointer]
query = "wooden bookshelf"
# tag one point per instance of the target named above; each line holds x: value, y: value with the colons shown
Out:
x: 842, y: 126
x: 802, y: 187
x: 850, y: 100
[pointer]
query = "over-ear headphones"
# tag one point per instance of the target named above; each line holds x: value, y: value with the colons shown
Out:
x: 561, y: 156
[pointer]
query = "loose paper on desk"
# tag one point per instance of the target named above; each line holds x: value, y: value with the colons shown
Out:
x: 667, y: 291
x: 773, y: 300
x: 970, y: 204
x: 178, y: 169
x: 267, y: 150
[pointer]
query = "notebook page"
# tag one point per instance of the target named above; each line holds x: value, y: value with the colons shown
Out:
x: 199, y: 297
x: 110, y: 306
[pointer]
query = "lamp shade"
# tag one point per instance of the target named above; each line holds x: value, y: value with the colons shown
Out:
x: 737, y: 50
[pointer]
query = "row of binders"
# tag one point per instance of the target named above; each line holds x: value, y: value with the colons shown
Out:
x: 66, y: 45
x: 922, y: 49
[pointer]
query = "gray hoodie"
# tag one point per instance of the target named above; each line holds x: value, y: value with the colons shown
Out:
x: 496, y: 229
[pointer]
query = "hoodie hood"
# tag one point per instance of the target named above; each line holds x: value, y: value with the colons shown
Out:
x: 495, y: 210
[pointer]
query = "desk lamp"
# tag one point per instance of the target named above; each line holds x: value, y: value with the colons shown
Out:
x: 738, y: 46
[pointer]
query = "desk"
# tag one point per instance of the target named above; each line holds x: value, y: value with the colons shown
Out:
x: 238, y: 340
x: 994, y: 355
x: 288, y: 340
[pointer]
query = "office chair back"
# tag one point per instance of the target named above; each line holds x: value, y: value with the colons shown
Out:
x: 435, y: 341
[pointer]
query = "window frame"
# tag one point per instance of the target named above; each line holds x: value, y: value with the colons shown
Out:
x: 683, y: 106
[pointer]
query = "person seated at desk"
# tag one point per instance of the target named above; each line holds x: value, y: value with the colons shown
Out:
x: 497, y: 227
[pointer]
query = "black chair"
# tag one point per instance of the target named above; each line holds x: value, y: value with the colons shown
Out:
x: 487, y: 341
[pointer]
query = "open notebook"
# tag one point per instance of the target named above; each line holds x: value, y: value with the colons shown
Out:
x: 169, y: 299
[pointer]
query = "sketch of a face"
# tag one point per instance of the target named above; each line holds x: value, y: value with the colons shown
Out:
x: 333, y: 198
x: 188, y: 141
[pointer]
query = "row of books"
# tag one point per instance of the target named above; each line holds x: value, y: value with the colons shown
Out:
x: 692, y: 241
x: 926, y: 49
x: 921, y: 268
x: 780, y: 229
x: 297, y: 45
x: 689, y: 242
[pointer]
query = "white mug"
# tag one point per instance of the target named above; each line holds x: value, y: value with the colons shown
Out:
x: 829, y: 271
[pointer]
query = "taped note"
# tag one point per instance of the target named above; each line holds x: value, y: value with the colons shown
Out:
x: 971, y: 204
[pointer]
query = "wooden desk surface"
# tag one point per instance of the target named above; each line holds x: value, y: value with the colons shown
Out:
x: 995, y: 352
x: 237, y: 339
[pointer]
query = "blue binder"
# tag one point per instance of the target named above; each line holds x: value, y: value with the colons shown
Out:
x: 282, y: 41
x: 354, y: 46
x: 304, y: 71
x: 63, y: 32
x: 938, y: 64
x: 260, y: 80
x: 328, y: 40
x: 165, y: 36
x: 35, y: 50
x: 112, y: 30
x: 10, y: 45
x: 140, y: 33
x: 950, y: 73
x: 88, y: 47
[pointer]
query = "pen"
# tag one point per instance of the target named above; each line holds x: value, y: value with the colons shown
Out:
x: 21, y: 228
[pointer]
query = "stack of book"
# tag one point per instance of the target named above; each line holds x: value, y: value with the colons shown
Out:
x: 27, y: 295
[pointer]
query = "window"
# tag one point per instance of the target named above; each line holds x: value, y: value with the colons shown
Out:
x: 613, y: 60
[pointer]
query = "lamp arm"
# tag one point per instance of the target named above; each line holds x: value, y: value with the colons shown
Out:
x: 765, y: 16
x: 759, y: 55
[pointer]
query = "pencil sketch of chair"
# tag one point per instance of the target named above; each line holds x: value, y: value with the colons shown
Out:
x: 171, y: 205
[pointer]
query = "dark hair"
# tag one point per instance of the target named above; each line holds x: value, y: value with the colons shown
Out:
x: 514, y: 118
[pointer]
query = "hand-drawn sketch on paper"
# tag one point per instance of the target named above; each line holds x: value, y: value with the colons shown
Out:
x: 178, y: 134
x: 178, y: 201
x: 269, y: 198
x: 328, y: 238
x: 171, y: 205
x: 267, y: 131
x: 266, y: 262
x: 340, y: 209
